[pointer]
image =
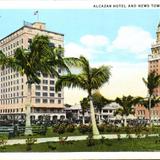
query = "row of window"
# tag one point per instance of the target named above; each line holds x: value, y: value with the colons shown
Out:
x: 12, y: 101
x: 6, y: 78
x: 9, y: 83
x: 12, y: 45
x: 11, y: 110
x: 12, y: 95
x: 154, y: 70
x: 107, y: 111
x: 46, y: 94
x: 45, y: 88
x: 154, y: 62
x: 7, y: 71
x: 14, y: 88
x: 142, y: 112
x: 46, y: 82
x: 38, y: 100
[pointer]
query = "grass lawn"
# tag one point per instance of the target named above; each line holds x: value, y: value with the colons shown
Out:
x: 144, y: 144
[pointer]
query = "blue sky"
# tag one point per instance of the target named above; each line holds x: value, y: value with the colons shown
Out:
x: 76, y: 23
x: 120, y: 38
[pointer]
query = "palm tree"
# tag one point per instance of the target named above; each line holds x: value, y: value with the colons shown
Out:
x: 126, y: 104
x: 152, y: 82
x: 99, y: 102
x: 84, y: 105
x: 29, y: 62
x: 88, y: 79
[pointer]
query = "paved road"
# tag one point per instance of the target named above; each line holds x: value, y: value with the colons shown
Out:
x: 75, y: 138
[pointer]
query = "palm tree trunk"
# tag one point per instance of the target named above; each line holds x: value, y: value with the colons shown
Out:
x: 83, y: 120
x: 125, y: 121
x: 149, y: 109
x: 93, y: 120
x: 28, y: 129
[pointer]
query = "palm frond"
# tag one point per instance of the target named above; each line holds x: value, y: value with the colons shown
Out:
x: 70, y: 81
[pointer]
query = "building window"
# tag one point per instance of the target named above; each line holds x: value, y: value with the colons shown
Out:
x: 38, y: 93
x: 38, y: 100
x: 51, y: 100
x: 45, y: 81
x: 45, y: 101
x: 52, y: 94
x: 59, y: 101
x: 45, y: 94
x: 38, y: 87
x: 45, y: 88
x: 59, y: 95
x: 51, y: 82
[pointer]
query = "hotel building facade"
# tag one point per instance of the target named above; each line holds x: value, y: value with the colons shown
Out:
x: 13, y: 91
x: 153, y: 65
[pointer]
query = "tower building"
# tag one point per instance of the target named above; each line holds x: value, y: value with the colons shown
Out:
x: 153, y: 65
x: 13, y: 91
x: 154, y: 58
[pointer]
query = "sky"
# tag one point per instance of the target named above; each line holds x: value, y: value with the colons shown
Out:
x: 119, y: 38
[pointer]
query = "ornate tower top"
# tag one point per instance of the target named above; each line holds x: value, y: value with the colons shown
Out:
x: 158, y: 33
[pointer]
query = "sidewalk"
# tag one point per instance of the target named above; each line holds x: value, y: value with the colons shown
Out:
x: 75, y: 138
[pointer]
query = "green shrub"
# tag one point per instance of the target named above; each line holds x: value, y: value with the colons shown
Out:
x: 55, y: 127
x: 102, y: 140
x: 3, y: 141
x: 61, y: 129
x: 51, y: 146
x: 84, y: 129
x: 102, y: 127
x: 128, y: 129
x: 70, y: 128
x: 109, y: 128
x: 90, y: 141
x: 62, y: 140
x: 118, y: 136
x: 29, y: 142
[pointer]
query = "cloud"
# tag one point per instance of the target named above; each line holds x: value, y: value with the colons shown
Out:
x: 94, y: 41
x: 126, y: 79
x: 133, y: 39
x: 73, y: 49
x: 89, y: 46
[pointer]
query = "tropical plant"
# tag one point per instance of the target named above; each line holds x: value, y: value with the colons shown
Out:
x: 27, y: 62
x: 84, y: 105
x: 126, y: 104
x: 29, y: 142
x: 88, y: 79
x: 99, y: 102
x: 152, y: 82
x: 40, y: 57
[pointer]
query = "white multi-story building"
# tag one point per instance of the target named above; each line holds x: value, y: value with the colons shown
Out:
x: 13, y: 92
x: 108, y: 111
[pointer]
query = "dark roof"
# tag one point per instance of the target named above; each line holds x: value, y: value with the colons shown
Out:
x: 31, y: 28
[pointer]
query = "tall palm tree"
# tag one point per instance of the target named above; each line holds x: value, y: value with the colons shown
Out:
x: 88, y: 79
x: 127, y: 106
x: 40, y: 57
x: 152, y: 82
x: 84, y: 105
x: 28, y: 62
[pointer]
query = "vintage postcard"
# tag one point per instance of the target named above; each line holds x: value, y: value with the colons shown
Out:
x: 79, y: 80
